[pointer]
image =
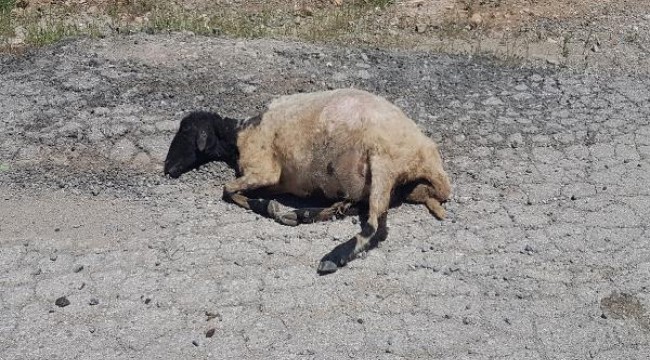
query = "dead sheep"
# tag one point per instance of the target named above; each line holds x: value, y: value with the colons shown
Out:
x: 349, y: 146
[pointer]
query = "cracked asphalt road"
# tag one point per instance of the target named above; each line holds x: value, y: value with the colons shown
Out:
x: 545, y: 254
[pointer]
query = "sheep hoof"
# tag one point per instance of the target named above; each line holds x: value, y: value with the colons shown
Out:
x: 436, y: 209
x: 273, y: 208
x: 327, y: 267
x: 289, y: 218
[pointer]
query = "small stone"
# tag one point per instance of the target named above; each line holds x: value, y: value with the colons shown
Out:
x: 493, y: 101
x: 339, y: 76
x: 53, y: 257
x: 573, y: 197
x: 147, y: 301
x: 78, y: 268
x: 20, y: 36
x: 123, y: 150
x: 36, y: 272
x: 62, y: 302
x: 93, y: 301
x: 529, y: 249
x: 420, y: 28
x: 247, y: 88
x: 476, y: 20
x: 96, y: 191
x: 210, y: 333
x: 71, y: 130
x: 195, y: 343
x: 552, y: 61
x: 166, y: 126
x: 364, y: 74
x: 141, y: 159
x: 360, y: 320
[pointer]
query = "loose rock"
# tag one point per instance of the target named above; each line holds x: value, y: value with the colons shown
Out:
x: 62, y: 302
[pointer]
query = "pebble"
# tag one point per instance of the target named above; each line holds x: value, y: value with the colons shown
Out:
x: 536, y: 78
x: 93, y: 301
x: 476, y: 20
x: 141, y: 159
x: 210, y: 333
x: 492, y: 101
x: 364, y: 74
x: 123, y: 150
x: 78, y: 268
x: 62, y: 302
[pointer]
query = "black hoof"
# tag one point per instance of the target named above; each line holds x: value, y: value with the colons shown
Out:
x: 337, y: 258
x: 289, y: 218
x: 327, y: 267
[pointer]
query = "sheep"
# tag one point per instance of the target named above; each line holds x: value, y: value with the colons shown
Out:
x: 346, y: 145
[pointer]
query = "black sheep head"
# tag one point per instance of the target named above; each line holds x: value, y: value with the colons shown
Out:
x: 201, y: 138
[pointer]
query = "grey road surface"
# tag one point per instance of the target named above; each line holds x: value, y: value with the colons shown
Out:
x: 545, y: 254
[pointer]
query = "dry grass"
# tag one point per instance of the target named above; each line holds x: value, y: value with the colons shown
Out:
x: 557, y: 31
x: 47, y: 22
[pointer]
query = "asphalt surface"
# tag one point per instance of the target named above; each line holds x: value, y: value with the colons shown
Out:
x: 545, y: 254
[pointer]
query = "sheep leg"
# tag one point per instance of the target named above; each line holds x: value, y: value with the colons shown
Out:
x: 380, y: 192
x: 234, y: 192
x: 338, y: 210
x: 435, y: 208
x: 424, y: 194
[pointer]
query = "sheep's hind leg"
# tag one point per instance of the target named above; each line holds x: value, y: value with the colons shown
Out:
x: 338, y: 210
x: 423, y: 194
x: 380, y: 192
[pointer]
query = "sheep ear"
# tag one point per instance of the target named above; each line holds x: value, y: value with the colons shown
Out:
x: 202, y: 140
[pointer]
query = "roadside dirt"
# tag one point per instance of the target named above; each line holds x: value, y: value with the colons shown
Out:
x: 544, y: 255
x: 586, y: 35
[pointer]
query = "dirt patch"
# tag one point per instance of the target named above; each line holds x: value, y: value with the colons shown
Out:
x: 625, y: 306
x: 607, y: 35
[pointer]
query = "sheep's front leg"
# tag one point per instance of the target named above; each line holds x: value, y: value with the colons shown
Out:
x: 234, y: 192
x: 338, y: 210
x: 380, y: 192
